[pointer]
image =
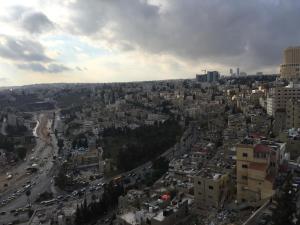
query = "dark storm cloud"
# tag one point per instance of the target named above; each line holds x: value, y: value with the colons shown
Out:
x: 22, y: 50
x: 30, y: 20
x: 251, y: 34
x: 38, y: 67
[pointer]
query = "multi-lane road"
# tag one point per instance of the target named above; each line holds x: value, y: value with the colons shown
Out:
x: 40, y: 157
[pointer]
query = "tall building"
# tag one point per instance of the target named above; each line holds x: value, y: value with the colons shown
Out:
x: 212, y: 76
x: 279, y: 96
x: 231, y: 72
x: 290, y: 69
x: 293, y: 113
x: 209, y: 77
x: 201, y: 78
x: 257, y: 166
x: 238, y: 71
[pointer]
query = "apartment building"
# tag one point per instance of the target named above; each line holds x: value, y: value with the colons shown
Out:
x: 210, y: 188
x: 290, y: 69
x: 279, y: 96
x: 293, y: 113
x: 257, y: 166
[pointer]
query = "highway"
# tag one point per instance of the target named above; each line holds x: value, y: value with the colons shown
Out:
x: 40, y: 181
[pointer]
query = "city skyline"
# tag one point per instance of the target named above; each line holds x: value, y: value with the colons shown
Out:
x: 117, y: 41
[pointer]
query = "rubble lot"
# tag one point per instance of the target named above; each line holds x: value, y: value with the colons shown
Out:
x: 214, y: 217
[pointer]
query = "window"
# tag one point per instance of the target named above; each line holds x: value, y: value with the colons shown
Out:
x: 245, y: 166
x: 199, y: 182
x: 211, y: 187
x: 244, y: 177
x: 245, y: 154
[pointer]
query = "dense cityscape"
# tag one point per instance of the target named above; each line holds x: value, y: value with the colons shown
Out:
x: 210, y: 150
x: 149, y: 112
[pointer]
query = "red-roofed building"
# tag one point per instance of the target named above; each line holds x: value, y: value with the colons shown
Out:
x: 258, y: 164
x: 260, y: 148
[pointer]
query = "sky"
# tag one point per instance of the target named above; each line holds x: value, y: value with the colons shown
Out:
x: 50, y: 41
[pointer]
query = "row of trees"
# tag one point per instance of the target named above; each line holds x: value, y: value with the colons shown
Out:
x: 9, y: 147
x: 89, y: 213
x: 142, y: 144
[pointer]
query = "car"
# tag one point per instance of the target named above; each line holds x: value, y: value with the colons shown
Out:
x: 92, y: 188
x: 39, y: 215
x: 60, y: 197
x: 97, y: 188
x: 3, y: 213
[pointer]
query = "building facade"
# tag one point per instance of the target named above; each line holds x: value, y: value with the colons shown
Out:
x: 293, y: 113
x: 257, y: 166
x: 210, y: 188
x: 209, y: 77
x: 279, y: 96
x: 290, y: 69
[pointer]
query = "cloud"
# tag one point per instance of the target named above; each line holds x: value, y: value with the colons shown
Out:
x: 38, y: 67
x: 3, y: 79
x: 22, y: 50
x: 32, y: 21
x: 36, y: 22
x: 251, y: 34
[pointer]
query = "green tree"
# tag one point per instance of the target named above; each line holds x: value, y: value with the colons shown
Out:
x: 286, y: 204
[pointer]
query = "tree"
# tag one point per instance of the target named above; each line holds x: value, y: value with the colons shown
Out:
x: 286, y: 204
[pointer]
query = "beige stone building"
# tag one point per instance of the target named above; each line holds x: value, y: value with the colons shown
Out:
x: 257, y: 167
x: 290, y: 69
x: 293, y: 113
x: 211, y: 188
x: 279, y: 96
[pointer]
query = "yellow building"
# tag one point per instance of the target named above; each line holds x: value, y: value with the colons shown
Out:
x: 290, y: 69
x: 211, y: 188
x: 257, y: 166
